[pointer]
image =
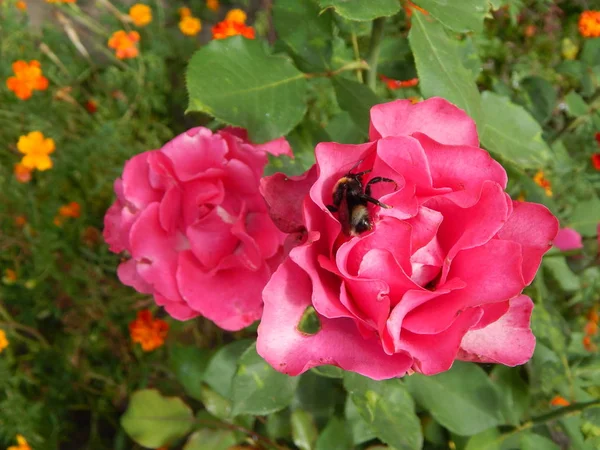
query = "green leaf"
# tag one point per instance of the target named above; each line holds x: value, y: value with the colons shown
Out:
x: 335, y: 436
x: 388, y: 408
x: 541, y: 97
x: 486, y: 440
x: 238, y: 82
x: 206, y: 439
x: 328, y: 371
x: 576, y: 105
x: 278, y: 425
x: 189, y: 364
x: 439, y: 66
x: 307, y: 34
x: 215, y: 403
x: 258, y: 388
x: 561, y: 272
x: 361, y: 430
x: 152, y: 420
x: 223, y: 365
x: 531, y: 441
x: 585, y: 216
x: 362, y: 10
x: 513, y: 393
x: 462, y: 399
x: 309, y: 322
x: 304, y: 430
x: 460, y: 16
x: 317, y: 396
x: 510, y: 133
x: 356, y: 99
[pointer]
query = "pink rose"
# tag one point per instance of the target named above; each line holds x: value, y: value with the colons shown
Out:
x: 568, y: 239
x: 438, y: 278
x: 195, y: 226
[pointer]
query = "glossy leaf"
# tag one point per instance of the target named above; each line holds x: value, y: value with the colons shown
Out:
x: 239, y: 83
x: 206, y: 439
x: 439, y: 66
x: 511, y: 134
x: 335, y: 436
x: 223, y: 365
x: 361, y: 430
x: 512, y: 391
x: 362, y: 10
x: 463, y: 399
x: 258, y: 388
x: 189, y: 364
x: 585, y: 216
x: 304, y: 430
x: 388, y: 408
x: 152, y: 420
x: 460, y: 16
x: 356, y: 99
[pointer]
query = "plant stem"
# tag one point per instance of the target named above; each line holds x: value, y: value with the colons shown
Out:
x: 359, y: 74
x: 374, y: 49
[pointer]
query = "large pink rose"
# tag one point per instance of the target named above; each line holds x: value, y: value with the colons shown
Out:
x: 438, y: 278
x: 195, y: 226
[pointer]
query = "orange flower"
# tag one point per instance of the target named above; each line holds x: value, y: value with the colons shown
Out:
x: 530, y: 30
x: 184, y: 11
x: 213, y: 5
x: 20, y: 221
x: 596, y: 161
x: 70, y: 210
x: 140, y: 14
x: 589, y: 24
x: 414, y: 100
x: 589, y: 345
x: 593, y: 315
x: 28, y: 78
x: 409, y: 6
x: 91, y: 106
x: 228, y: 28
x: 398, y: 84
x: 591, y: 328
x: 3, y: 345
x: 148, y: 332
x: 10, y: 276
x: 36, y: 149
x: 559, y: 401
x: 125, y: 44
x: 190, y: 26
x: 236, y: 15
x: 21, y: 5
x: 61, y: 1
x: 22, y: 444
x: 597, y: 137
x: 541, y: 181
x: 22, y: 173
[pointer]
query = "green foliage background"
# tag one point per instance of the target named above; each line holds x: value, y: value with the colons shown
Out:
x: 71, y: 378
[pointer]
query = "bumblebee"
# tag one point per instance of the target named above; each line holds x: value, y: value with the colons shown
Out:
x: 350, y: 200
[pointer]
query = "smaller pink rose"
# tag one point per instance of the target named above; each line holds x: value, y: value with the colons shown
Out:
x: 568, y: 239
x: 195, y: 228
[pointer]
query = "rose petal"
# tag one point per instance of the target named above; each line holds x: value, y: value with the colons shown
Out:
x: 568, y: 239
x: 129, y: 276
x: 507, y: 341
x: 136, y: 186
x: 435, y: 117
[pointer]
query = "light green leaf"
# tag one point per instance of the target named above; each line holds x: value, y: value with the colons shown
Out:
x: 513, y: 393
x: 258, y: 388
x: 356, y: 99
x: 388, y: 408
x: 486, y: 440
x: 460, y: 16
x: 152, y: 420
x: 223, y: 365
x: 362, y: 10
x: 215, y: 403
x: 585, y: 216
x: 335, y: 436
x: 510, y: 133
x: 576, y: 105
x: 206, y: 439
x: 239, y: 83
x: 189, y: 364
x: 439, y: 66
x: 531, y: 441
x: 463, y: 399
x: 304, y: 430
x: 307, y: 34
x: 361, y: 430
x: 560, y: 271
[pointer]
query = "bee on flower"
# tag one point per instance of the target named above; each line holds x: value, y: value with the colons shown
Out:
x: 233, y: 25
x: 28, y: 78
x: 150, y: 333
x: 125, y: 44
x: 140, y: 14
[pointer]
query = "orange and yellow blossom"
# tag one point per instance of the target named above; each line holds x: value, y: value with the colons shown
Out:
x: 125, y: 44
x: 559, y: 401
x: 20, y: 221
x: 21, y: 5
x: 544, y: 183
x: 399, y: 84
x: 3, y: 340
x: 70, y: 210
x: 410, y: 6
x: 190, y: 26
x: 10, y: 276
x: 61, y: 1
x: 22, y: 173
x: 36, y: 149
x: 589, y: 24
x: 140, y: 14
x: 22, y: 444
x: 184, y: 11
x: 228, y: 28
x: 148, y: 332
x: 213, y: 5
x: 28, y: 78
x: 236, y: 15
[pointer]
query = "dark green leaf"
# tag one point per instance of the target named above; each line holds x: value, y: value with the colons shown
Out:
x: 223, y: 365
x: 215, y: 403
x: 513, y: 393
x: 356, y: 99
x: 463, y: 399
x: 258, y: 388
x: 304, y: 430
x: 531, y: 441
x: 510, y: 133
x: 189, y: 364
x: 318, y: 396
x: 361, y: 430
x: 585, y: 216
x: 541, y: 97
x: 460, y: 16
x: 441, y: 72
x: 342, y: 129
x: 362, y: 10
x: 309, y: 322
x: 335, y: 436
x: 152, y: 420
x: 328, y: 371
x: 558, y: 269
x: 388, y: 408
x: 238, y: 82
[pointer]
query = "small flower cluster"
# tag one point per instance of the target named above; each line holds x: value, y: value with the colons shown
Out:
x: 140, y: 14
x: 125, y: 44
x: 150, y: 333
x: 589, y: 24
x: 591, y: 330
x: 233, y: 25
x: 69, y: 211
x: 188, y: 24
x: 36, y: 148
x: 28, y: 78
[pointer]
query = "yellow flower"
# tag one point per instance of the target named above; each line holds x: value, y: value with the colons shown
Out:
x: 3, y: 341
x: 140, y: 14
x: 236, y: 15
x: 184, y: 11
x: 36, y: 149
x: 569, y: 49
x: 23, y: 445
x: 190, y: 26
x: 213, y: 5
x: 541, y: 181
